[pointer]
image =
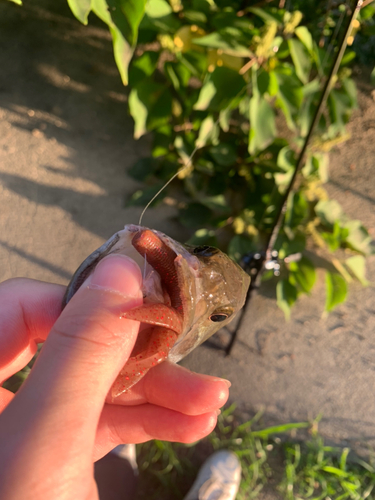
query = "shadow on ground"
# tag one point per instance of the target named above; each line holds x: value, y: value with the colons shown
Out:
x: 59, y: 82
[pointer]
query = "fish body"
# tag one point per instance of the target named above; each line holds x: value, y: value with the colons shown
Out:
x: 189, y: 294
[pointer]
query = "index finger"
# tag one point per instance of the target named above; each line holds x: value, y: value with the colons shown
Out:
x: 28, y: 310
x: 177, y: 388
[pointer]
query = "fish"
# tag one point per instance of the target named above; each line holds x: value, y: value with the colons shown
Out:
x: 189, y: 293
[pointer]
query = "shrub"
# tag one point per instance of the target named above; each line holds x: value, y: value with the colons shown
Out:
x: 229, y: 92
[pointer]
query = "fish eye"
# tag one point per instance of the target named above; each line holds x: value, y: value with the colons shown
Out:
x: 205, y: 251
x: 218, y: 317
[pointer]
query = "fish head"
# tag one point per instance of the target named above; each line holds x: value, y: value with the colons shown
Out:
x: 220, y: 287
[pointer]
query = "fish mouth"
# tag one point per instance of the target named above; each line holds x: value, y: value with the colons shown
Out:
x: 169, y: 287
x: 166, y: 266
x: 166, y: 311
x: 161, y: 258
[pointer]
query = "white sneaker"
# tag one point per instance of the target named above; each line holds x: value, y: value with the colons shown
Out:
x: 218, y: 478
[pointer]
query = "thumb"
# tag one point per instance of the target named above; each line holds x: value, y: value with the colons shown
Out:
x: 90, y: 342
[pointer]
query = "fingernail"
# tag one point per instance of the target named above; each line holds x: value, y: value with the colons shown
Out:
x: 118, y: 273
x: 218, y: 379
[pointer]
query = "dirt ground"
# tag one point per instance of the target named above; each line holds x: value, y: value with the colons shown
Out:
x: 65, y: 144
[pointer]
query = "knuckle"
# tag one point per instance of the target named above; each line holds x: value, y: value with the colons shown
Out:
x: 90, y: 331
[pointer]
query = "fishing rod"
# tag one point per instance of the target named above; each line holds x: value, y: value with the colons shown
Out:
x: 267, y: 259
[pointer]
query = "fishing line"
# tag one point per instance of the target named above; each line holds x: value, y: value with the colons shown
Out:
x: 190, y: 158
x: 188, y: 163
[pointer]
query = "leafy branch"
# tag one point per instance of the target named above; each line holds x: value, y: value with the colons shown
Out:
x: 239, y: 85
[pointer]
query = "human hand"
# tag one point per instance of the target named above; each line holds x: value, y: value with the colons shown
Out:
x: 62, y: 419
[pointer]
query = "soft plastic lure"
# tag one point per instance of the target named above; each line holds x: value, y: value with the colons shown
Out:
x: 189, y: 294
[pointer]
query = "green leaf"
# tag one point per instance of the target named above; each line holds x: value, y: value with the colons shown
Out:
x: 195, y: 214
x: 323, y: 168
x: 367, y: 12
x: 358, y: 237
x: 205, y: 167
x: 223, y: 154
x: 301, y: 59
x: 267, y: 14
x: 158, y: 8
x: 219, y: 89
x: 357, y: 265
x: 239, y: 246
x: 332, y: 241
x: 126, y: 15
x: 339, y: 105
x: 208, y: 133
x: 336, y: 290
x: 336, y: 239
x: 160, y: 113
x: 228, y: 46
x: 159, y: 16
x: 289, y: 95
x: 311, y: 88
x: 263, y: 82
x: 142, y: 67
x: 178, y: 74
x: 224, y: 118
x: 348, y: 57
x: 218, y: 203
x: 306, y: 114
x: 143, y: 169
x: 286, y: 161
x: 18, y: 2
x: 351, y: 91
x: 196, y: 17
x: 317, y: 165
x: 287, y: 247
x: 305, y: 36
x: 195, y: 62
x: 123, y: 18
x: 80, y: 8
x: 221, y: 19
x: 273, y: 86
x: 122, y: 52
x: 184, y: 150
x: 262, y: 124
x: 143, y: 100
x: 372, y: 77
x: 286, y: 295
x: 139, y: 112
x: 162, y: 140
x: 329, y: 211
x: 143, y: 196
x: 303, y: 274
x: 297, y: 210
x: 203, y: 237
x: 283, y: 51
x: 311, y: 166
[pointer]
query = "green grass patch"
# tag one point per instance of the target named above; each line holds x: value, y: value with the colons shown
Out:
x: 272, y: 467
